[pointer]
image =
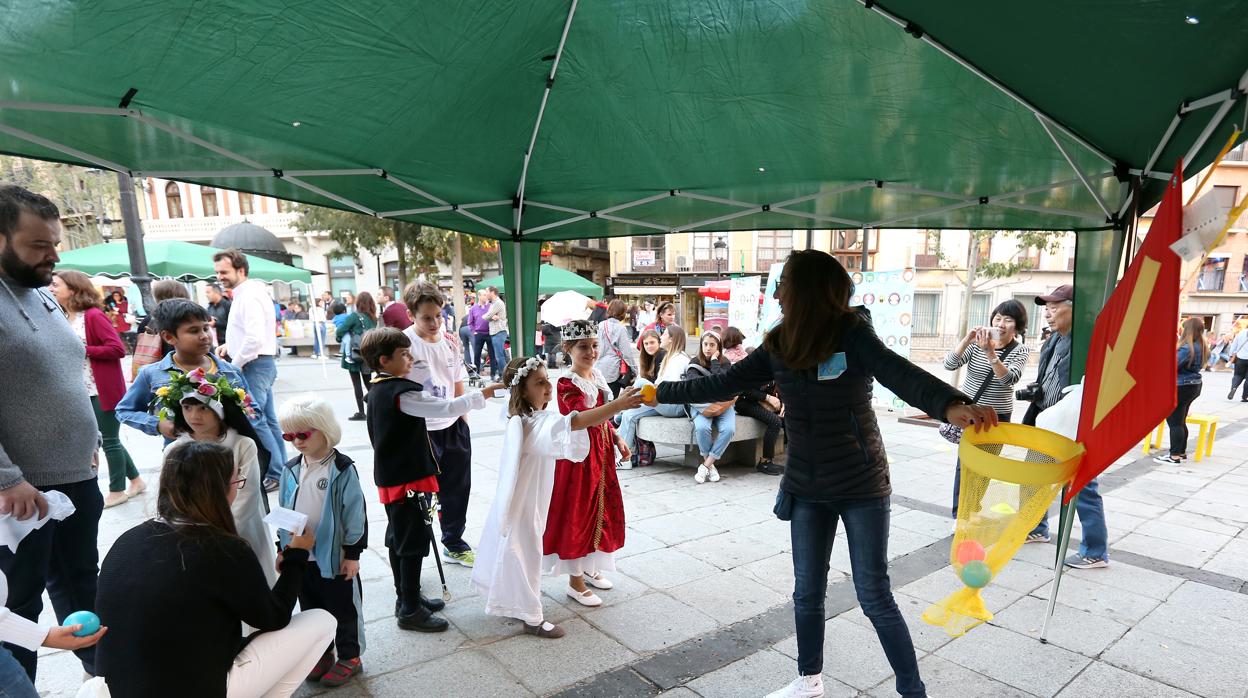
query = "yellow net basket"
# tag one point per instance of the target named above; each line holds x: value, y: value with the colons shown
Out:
x: 1001, y: 501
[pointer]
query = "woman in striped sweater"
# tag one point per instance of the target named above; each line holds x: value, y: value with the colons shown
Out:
x: 994, y: 354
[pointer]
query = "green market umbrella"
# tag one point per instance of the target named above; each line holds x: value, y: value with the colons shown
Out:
x: 172, y: 259
x: 551, y: 280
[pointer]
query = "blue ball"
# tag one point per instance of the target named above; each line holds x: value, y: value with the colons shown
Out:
x: 89, y: 621
x: 976, y: 574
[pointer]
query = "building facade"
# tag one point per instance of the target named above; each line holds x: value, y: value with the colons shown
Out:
x: 674, y: 267
x: 1217, y: 290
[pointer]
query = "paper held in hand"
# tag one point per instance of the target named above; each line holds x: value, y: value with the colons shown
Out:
x: 287, y: 520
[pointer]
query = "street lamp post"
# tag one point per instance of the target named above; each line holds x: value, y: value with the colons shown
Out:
x: 721, y: 256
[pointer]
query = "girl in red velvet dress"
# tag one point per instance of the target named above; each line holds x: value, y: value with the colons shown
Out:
x: 586, y: 522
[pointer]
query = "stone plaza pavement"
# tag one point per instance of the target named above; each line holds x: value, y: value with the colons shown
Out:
x: 701, y: 605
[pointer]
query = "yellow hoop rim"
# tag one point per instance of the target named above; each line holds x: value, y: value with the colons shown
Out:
x: 1066, y: 452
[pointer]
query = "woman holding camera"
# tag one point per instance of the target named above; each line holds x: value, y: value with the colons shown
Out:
x: 994, y: 359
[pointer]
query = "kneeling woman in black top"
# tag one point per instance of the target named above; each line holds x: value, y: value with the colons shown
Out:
x: 823, y: 357
x: 176, y: 590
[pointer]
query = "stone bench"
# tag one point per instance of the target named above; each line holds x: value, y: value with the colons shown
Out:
x: 746, y: 447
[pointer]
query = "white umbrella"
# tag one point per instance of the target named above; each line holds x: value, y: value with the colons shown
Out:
x: 564, y: 307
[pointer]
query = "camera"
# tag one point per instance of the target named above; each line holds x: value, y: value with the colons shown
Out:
x: 1032, y: 393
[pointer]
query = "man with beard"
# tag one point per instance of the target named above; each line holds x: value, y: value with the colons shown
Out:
x: 48, y: 434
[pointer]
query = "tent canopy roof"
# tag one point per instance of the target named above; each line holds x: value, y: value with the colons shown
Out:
x: 173, y: 259
x: 551, y: 280
x: 662, y: 115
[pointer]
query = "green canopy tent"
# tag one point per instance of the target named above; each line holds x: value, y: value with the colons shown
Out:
x: 551, y: 280
x: 560, y: 120
x: 556, y: 120
x: 172, y: 259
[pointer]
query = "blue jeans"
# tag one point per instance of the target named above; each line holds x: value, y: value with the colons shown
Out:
x: 465, y: 340
x: 628, y: 420
x: 498, y: 352
x: 727, y: 426
x: 14, y: 683
x: 813, y: 530
x: 1095, y: 542
x: 479, y: 343
x: 318, y: 338
x: 260, y: 373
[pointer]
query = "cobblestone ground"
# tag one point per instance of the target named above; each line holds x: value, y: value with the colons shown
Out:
x: 701, y: 605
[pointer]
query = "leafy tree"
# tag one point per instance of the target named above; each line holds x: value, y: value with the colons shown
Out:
x: 85, y: 196
x: 977, y: 271
x: 419, y: 247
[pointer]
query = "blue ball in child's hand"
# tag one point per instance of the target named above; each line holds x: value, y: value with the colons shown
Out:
x: 89, y: 621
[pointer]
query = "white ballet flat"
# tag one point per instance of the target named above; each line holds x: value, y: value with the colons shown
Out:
x: 599, y: 582
x: 586, y: 598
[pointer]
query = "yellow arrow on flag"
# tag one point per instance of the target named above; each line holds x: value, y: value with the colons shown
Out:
x: 1116, y: 381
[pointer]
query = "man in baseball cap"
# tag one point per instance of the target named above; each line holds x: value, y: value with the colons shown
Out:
x: 1065, y: 292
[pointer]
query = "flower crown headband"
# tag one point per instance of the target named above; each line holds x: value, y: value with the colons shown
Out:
x: 530, y: 365
x: 203, y: 387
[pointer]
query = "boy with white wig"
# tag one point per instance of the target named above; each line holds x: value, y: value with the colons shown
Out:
x: 323, y: 484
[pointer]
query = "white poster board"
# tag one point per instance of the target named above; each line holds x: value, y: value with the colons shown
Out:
x: 770, y: 314
x: 889, y: 295
x: 743, y: 305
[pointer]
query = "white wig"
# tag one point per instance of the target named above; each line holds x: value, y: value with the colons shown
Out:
x: 309, y: 411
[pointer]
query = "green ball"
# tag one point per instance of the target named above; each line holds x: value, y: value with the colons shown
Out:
x: 975, y: 574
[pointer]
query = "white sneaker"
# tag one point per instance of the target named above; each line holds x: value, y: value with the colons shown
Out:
x: 700, y: 477
x: 802, y: 687
x: 714, y: 475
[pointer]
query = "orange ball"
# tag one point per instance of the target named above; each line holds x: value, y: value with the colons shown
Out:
x: 648, y: 392
x: 968, y: 551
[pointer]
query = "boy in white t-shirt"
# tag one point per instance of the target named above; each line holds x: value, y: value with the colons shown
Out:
x: 439, y: 368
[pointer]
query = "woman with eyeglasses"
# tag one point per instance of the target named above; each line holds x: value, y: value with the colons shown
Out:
x: 175, y: 591
x: 837, y: 471
x: 219, y: 419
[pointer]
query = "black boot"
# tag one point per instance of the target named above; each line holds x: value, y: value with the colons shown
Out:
x: 767, y: 467
x: 431, y: 604
x: 422, y: 620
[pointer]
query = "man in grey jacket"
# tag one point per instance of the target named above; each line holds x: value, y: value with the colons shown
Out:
x: 48, y: 432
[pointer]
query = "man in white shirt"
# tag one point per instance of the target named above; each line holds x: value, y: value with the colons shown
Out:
x: 251, y: 344
x: 438, y: 367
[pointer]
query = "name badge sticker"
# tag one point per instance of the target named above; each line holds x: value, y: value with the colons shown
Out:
x: 833, y: 367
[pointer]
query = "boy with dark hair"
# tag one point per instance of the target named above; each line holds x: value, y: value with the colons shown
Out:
x: 405, y: 467
x: 436, y: 366
x: 187, y: 327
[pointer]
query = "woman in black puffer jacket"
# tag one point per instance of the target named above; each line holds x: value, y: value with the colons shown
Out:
x: 837, y: 469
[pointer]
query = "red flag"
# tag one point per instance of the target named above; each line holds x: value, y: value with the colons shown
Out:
x: 1130, y: 384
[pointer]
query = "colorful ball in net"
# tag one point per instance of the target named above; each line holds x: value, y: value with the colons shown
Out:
x: 975, y: 574
x: 969, y: 551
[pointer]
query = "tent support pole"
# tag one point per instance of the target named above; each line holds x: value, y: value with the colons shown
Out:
x: 53, y: 145
x: 1214, y: 121
x: 927, y: 38
x: 1065, y: 523
x: 541, y: 110
x: 1074, y: 166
